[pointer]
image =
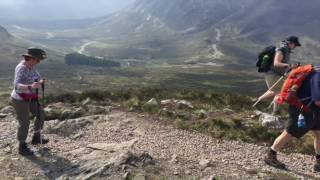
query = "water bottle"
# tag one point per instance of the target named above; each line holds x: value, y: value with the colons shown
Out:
x: 301, y: 122
x: 265, y: 60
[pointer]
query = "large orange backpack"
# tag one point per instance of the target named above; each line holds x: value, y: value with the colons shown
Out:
x: 290, y: 87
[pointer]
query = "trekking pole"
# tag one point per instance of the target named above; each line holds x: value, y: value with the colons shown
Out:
x: 283, y: 76
x: 38, y: 107
x: 42, y: 88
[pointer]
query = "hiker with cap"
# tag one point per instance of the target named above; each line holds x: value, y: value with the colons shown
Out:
x: 24, y: 98
x: 304, y: 112
x: 281, y: 64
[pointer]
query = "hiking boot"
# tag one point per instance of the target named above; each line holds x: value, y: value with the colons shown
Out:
x: 37, y: 139
x: 271, y: 160
x: 24, y: 150
x: 316, y: 166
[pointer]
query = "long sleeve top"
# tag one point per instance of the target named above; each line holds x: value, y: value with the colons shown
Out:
x: 23, y: 75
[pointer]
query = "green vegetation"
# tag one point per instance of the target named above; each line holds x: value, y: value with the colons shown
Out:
x: 218, y: 124
x: 215, y: 122
x: 76, y: 58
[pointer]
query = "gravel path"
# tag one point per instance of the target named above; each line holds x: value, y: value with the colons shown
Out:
x: 178, y: 150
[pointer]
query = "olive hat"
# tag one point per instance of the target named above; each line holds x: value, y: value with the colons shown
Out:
x: 36, y: 53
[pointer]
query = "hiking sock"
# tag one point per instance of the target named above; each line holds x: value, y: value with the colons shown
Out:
x: 272, y: 151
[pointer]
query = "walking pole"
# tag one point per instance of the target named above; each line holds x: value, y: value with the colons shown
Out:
x: 38, y: 108
x: 42, y: 88
x: 283, y: 76
x: 259, y: 99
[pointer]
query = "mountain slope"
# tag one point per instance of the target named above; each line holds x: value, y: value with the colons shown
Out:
x: 230, y: 30
x: 191, y: 27
x: 4, y: 35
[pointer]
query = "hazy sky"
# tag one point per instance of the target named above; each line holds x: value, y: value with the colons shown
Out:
x: 59, y: 9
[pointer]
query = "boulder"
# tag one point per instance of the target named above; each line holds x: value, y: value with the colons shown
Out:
x: 228, y: 111
x: 7, y: 110
x: 167, y: 113
x: 271, y: 121
x: 133, y: 103
x: 86, y: 102
x: 99, y: 109
x: 151, y: 106
x: 168, y: 103
x: 202, y: 113
x: 71, y: 126
x: 204, y: 163
x: 72, y: 113
x: 3, y: 115
x: 183, y: 104
x: 184, y: 115
x: 99, y: 158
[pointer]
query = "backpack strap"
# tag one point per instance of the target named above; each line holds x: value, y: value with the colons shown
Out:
x: 284, y: 51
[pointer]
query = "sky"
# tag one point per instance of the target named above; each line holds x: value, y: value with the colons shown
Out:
x: 59, y: 9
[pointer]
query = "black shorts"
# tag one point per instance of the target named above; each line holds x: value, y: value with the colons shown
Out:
x: 312, y: 122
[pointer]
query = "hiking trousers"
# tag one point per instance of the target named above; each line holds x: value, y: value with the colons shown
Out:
x: 23, y: 109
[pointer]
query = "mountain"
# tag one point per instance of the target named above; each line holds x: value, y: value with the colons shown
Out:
x: 4, y: 35
x: 232, y: 31
x: 184, y: 28
x: 58, y: 10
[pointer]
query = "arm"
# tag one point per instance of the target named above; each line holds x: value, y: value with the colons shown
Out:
x: 278, y: 61
x: 18, y: 82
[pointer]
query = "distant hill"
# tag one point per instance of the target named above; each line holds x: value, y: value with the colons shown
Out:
x: 4, y: 35
x: 184, y: 28
x: 229, y: 30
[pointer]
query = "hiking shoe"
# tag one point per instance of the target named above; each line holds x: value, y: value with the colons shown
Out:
x: 37, y: 139
x: 271, y: 160
x: 24, y: 150
x: 316, y: 166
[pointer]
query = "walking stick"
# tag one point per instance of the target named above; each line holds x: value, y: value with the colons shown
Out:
x: 42, y: 88
x: 260, y: 98
x: 283, y: 76
x: 38, y: 108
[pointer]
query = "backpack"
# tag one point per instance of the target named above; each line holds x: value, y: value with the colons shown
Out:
x: 266, y: 57
x: 291, y: 86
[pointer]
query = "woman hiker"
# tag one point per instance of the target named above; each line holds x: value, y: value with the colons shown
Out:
x: 24, y: 98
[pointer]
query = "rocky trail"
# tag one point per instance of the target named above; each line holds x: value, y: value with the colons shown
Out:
x: 115, y: 144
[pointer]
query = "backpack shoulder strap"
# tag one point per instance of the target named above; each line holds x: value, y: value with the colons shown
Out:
x: 284, y: 51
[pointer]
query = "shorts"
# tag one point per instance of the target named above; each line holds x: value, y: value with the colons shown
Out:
x: 312, y: 122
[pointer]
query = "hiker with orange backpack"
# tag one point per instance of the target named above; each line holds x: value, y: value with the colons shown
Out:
x: 275, y: 62
x: 301, y: 91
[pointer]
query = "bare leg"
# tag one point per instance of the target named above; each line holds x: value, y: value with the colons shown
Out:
x: 316, y: 166
x: 317, y: 142
x: 267, y: 95
x: 281, y: 140
x: 271, y: 158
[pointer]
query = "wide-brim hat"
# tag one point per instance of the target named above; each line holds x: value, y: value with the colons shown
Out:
x: 36, y: 53
x: 293, y: 39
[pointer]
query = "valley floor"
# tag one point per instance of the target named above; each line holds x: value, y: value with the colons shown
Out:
x: 81, y: 152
